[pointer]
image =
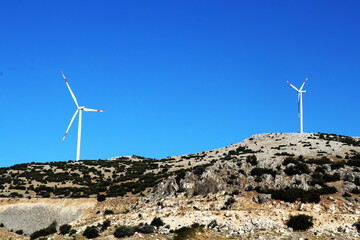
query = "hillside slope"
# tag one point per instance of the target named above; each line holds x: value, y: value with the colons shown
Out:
x: 247, y: 188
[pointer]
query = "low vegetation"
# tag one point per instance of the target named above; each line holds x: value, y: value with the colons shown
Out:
x: 128, y: 231
x: 300, y: 222
x: 157, y: 222
x: 91, y: 232
x: 293, y: 194
x: 65, y: 229
x: 260, y: 171
x: 187, y: 232
x: 101, y: 197
x: 51, y: 229
x: 89, y: 178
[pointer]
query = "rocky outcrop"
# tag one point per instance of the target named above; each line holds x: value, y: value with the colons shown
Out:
x: 167, y: 188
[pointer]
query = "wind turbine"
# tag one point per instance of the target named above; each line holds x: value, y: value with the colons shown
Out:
x: 78, y: 110
x: 300, y: 107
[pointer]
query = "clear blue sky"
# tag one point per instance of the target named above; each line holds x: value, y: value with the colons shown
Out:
x: 174, y: 77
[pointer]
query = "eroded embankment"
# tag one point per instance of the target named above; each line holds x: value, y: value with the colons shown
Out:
x: 34, y: 214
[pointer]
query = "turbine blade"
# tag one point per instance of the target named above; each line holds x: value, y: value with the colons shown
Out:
x: 92, y: 110
x: 77, y: 110
x: 72, y: 94
x: 293, y: 86
x: 304, y: 83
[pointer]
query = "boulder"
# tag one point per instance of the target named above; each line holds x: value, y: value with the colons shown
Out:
x: 262, y: 198
x: 349, y: 176
x: 348, y: 186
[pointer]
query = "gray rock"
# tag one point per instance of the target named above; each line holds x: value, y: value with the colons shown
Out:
x: 330, y: 198
x: 348, y: 186
x: 188, y: 183
x: 349, y: 176
x: 341, y: 171
x: 167, y: 187
x: 300, y: 181
x: 262, y: 198
x: 281, y: 181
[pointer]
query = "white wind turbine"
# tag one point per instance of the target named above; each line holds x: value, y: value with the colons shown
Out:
x: 300, y: 107
x: 78, y: 110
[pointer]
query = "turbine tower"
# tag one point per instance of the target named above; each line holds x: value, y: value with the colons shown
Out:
x: 300, y: 106
x: 78, y: 110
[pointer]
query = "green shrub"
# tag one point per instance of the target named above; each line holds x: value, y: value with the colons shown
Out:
x: 252, y: 160
x: 199, y: 170
x: 185, y: 233
x: 321, y: 161
x: 232, y: 152
x: 65, y: 229
x: 72, y: 232
x: 357, y: 225
x: 20, y: 232
x: 124, y: 231
x: 300, y: 222
x: 91, y: 232
x: 108, y: 212
x: 258, y: 179
x: 249, y: 188
x: 284, y: 154
x: 157, y: 222
x: 354, y: 162
x: 244, y: 150
x: 235, y: 192
x: 317, y: 178
x: 322, y: 178
x: 260, y: 171
x: 127, y: 231
x: 331, y: 178
x: 146, y: 229
x: 292, y: 194
x: 45, y: 194
x: 229, y: 202
x: 105, y: 225
x: 337, y: 165
x: 45, y: 231
x: 319, y: 169
x: 357, y: 181
x: 101, y: 198
x: 326, y: 190
x: 299, y: 168
x: 355, y: 191
x: 290, y: 160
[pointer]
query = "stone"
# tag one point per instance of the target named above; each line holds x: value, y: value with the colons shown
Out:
x: 348, y: 186
x: 349, y: 176
x: 330, y: 198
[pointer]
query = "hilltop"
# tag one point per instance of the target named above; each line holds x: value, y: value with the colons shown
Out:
x: 247, y: 189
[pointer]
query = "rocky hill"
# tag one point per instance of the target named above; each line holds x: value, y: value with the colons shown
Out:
x: 249, y: 189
